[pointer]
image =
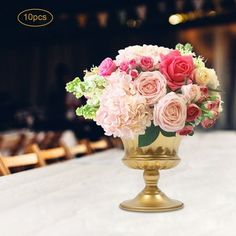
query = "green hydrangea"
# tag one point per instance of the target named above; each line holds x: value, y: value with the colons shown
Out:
x: 185, y: 49
x: 92, y: 88
x: 87, y: 111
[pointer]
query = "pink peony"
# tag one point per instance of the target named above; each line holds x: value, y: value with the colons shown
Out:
x: 188, y: 129
x: 122, y: 113
x: 107, y: 67
x: 193, y: 112
x: 208, y: 123
x: 146, y: 63
x: 151, y: 85
x: 170, y: 112
x: 191, y: 92
x: 177, y: 69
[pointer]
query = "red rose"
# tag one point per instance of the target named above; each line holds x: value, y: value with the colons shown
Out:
x: 177, y: 69
x: 146, y: 63
x: 208, y: 123
x: 188, y: 129
x: 193, y: 112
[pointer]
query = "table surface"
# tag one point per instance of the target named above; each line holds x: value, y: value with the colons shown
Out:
x: 81, y: 197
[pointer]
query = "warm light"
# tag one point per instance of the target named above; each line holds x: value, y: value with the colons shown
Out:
x: 176, y: 19
x: 82, y: 19
x: 102, y: 19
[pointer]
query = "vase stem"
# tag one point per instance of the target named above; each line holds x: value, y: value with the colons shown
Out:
x: 151, y: 178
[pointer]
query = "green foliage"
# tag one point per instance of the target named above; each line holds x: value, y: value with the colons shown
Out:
x: 167, y: 134
x: 151, y: 135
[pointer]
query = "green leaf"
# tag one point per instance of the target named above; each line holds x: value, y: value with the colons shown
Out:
x: 149, y: 137
x: 167, y: 134
x: 219, y: 90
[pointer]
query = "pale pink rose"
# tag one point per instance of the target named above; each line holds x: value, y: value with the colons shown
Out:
x: 107, y: 67
x: 146, y: 63
x: 122, y: 112
x: 193, y: 112
x: 191, y: 92
x: 151, y: 85
x: 208, y: 123
x: 188, y: 129
x: 134, y: 73
x: 170, y: 112
x: 177, y: 69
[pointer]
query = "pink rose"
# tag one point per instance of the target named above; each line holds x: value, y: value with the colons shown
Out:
x: 193, y: 112
x: 133, y: 73
x: 188, y: 129
x: 177, y: 69
x: 204, y: 93
x: 151, y: 85
x: 170, y: 112
x: 146, y: 63
x: 208, y: 123
x: 214, y: 114
x: 124, y: 66
x: 132, y: 64
x: 212, y: 105
x: 191, y: 92
x: 107, y: 67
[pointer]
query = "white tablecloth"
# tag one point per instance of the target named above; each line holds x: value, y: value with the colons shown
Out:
x: 81, y: 197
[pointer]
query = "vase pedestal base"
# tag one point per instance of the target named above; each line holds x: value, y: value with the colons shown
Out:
x: 146, y: 202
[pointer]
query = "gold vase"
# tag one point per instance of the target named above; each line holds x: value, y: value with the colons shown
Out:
x: 161, y: 154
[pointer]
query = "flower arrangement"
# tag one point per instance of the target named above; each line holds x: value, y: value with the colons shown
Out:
x: 149, y: 89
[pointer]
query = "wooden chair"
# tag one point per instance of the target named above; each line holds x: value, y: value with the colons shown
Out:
x: 81, y: 148
x: 99, y: 145
x: 11, y: 143
x: 50, y: 139
x: 72, y: 146
x: 50, y: 154
x: 6, y: 163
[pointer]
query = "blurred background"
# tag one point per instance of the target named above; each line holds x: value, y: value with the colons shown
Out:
x: 36, y: 63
